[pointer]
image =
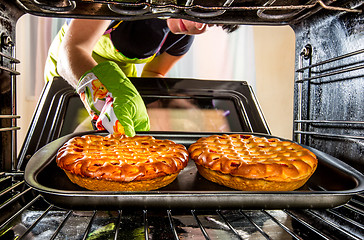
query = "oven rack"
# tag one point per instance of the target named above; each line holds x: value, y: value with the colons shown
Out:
x: 326, y: 123
x: 8, y: 117
x: 219, y: 11
x: 348, y: 66
x: 26, y: 214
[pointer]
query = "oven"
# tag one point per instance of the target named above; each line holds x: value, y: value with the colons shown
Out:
x: 328, y: 118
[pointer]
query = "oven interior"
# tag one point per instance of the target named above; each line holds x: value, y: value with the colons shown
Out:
x: 328, y: 116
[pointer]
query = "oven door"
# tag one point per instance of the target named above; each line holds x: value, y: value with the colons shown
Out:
x: 173, y: 105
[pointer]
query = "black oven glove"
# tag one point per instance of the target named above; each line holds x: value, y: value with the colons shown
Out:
x: 112, y: 100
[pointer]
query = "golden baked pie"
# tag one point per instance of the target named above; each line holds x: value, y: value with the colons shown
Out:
x: 252, y: 163
x: 121, y: 163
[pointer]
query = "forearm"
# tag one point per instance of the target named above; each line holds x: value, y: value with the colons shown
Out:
x: 72, y: 66
x: 147, y: 73
x: 75, y: 53
x: 160, y: 65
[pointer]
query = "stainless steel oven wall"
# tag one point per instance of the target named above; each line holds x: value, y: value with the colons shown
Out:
x: 8, y: 73
x: 329, y: 85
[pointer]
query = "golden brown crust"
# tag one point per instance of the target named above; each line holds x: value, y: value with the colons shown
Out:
x: 247, y: 184
x: 120, y: 158
x: 254, y: 158
x: 105, y: 185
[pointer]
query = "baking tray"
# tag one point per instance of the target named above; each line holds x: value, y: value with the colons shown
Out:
x: 332, y: 184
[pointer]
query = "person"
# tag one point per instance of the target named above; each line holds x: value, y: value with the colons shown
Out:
x: 98, y: 56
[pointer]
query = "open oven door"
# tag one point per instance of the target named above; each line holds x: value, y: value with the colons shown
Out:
x: 173, y: 105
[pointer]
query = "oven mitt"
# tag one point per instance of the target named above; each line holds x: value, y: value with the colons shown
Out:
x: 112, y: 100
x: 92, y: 93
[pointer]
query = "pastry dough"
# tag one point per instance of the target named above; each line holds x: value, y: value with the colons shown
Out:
x: 252, y: 163
x: 121, y: 163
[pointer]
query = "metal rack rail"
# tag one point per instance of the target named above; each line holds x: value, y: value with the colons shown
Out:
x: 265, y: 11
x: 346, y: 67
x: 29, y: 215
x: 8, y: 124
x: 190, y: 6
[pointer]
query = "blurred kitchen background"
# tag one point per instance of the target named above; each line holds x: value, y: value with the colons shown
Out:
x: 261, y: 55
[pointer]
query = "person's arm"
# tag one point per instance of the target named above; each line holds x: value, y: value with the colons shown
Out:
x: 107, y: 93
x: 160, y: 65
x: 75, y: 55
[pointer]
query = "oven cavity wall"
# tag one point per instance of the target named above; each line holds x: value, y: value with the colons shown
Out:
x: 329, y: 83
x: 9, y: 13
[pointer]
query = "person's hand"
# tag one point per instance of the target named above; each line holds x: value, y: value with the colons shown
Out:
x: 112, y: 100
x: 92, y: 94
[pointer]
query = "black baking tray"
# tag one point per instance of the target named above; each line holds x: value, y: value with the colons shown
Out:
x: 332, y: 184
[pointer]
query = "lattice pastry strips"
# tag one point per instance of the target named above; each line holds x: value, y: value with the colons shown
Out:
x: 121, y: 163
x: 247, y: 162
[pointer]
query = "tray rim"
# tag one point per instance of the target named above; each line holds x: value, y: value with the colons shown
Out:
x: 35, y: 166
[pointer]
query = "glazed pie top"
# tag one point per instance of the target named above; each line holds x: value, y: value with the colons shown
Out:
x: 121, y: 158
x: 254, y: 157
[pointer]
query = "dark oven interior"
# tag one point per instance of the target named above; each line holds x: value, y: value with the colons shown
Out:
x: 328, y: 116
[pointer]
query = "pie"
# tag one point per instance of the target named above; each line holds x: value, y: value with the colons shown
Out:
x: 121, y: 163
x: 253, y: 163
